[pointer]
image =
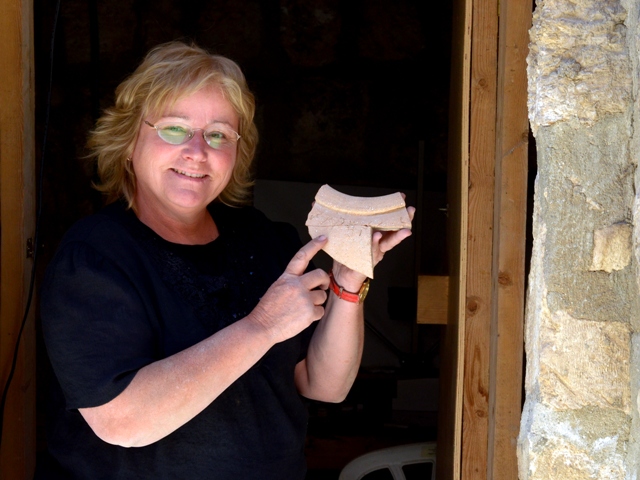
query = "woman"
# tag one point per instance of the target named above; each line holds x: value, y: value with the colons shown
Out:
x: 180, y: 347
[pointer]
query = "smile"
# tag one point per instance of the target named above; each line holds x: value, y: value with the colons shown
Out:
x: 187, y: 174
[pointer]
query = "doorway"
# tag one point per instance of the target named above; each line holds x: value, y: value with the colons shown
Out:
x: 91, y: 68
x: 352, y: 94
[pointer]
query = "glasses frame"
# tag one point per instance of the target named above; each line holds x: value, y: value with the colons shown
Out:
x: 191, y: 133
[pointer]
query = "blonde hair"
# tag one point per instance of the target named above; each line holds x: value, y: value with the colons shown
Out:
x: 169, y: 72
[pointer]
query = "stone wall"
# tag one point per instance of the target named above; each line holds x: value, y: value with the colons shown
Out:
x: 580, y: 419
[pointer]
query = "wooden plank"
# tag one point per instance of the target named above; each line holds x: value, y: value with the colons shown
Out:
x: 509, y: 240
x: 17, y: 218
x: 450, y: 410
x: 433, y: 299
x: 475, y: 422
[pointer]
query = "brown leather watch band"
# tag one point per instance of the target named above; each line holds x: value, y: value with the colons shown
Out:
x: 353, y: 297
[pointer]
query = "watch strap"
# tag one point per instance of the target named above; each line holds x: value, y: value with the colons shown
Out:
x: 353, y: 297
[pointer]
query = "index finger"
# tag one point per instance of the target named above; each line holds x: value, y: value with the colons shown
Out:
x: 301, y: 259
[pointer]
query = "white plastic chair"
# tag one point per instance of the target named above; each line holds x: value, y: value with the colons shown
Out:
x: 392, y: 459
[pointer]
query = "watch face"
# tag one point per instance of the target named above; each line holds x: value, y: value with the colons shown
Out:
x: 363, y: 291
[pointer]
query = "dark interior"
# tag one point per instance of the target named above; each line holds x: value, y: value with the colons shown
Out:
x: 352, y: 94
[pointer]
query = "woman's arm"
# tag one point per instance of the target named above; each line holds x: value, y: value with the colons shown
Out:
x: 168, y: 393
x: 334, y: 355
x: 335, y: 351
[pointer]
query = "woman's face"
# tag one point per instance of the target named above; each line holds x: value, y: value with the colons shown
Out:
x: 178, y: 181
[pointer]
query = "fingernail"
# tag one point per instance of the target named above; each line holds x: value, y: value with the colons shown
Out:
x: 321, y: 238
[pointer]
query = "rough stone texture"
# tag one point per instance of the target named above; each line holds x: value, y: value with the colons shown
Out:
x: 612, y: 247
x: 578, y: 321
x: 581, y: 411
x: 579, y: 65
x: 575, y: 444
x: 585, y: 183
x: 586, y: 363
x: 633, y: 448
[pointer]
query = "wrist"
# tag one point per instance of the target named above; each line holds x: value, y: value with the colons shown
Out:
x: 348, y: 279
x: 356, y: 295
x: 258, y: 325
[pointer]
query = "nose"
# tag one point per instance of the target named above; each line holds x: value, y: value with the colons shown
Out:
x: 196, y: 148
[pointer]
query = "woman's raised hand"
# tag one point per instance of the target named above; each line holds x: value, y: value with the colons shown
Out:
x: 295, y: 300
x: 381, y: 243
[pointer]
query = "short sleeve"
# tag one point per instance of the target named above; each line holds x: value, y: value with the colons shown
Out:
x: 96, y: 327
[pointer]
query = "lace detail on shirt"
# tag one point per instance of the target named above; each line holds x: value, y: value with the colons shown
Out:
x: 220, y: 281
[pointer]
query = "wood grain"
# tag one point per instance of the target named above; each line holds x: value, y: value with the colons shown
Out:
x: 484, y: 64
x: 433, y: 299
x: 17, y: 218
x: 450, y: 410
x: 509, y: 240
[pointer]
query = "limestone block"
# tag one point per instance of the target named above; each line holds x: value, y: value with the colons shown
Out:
x: 612, y: 247
x: 349, y: 223
x: 584, y: 363
x: 589, y: 443
x: 578, y: 63
x: 563, y: 460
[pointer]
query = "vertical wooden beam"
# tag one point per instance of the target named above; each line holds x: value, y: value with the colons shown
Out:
x: 17, y: 222
x: 451, y: 373
x: 512, y: 136
x: 484, y: 66
x: 488, y: 273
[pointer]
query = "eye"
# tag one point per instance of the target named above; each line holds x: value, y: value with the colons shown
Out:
x: 175, y: 134
x: 177, y: 129
x: 216, y: 135
x: 216, y: 139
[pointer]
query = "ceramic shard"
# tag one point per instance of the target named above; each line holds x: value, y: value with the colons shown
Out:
x: 349, y: 223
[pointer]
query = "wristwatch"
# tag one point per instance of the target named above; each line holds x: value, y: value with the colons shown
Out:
x: 353, y: 297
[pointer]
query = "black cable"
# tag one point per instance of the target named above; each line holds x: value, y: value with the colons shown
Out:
x: 36, y: 240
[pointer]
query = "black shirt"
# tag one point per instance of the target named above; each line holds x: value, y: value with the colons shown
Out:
x: 117, y: 297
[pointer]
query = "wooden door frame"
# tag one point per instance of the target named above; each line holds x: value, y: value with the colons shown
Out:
x: 481, y: 381
x: 17, y: 222
x: 481, y: 408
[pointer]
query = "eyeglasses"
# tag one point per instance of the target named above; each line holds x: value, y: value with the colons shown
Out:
x: 220, y: 136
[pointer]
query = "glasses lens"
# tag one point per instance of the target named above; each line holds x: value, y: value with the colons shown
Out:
x: 220, y: 137
x: 174, y: 134
x: 216, y: 139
